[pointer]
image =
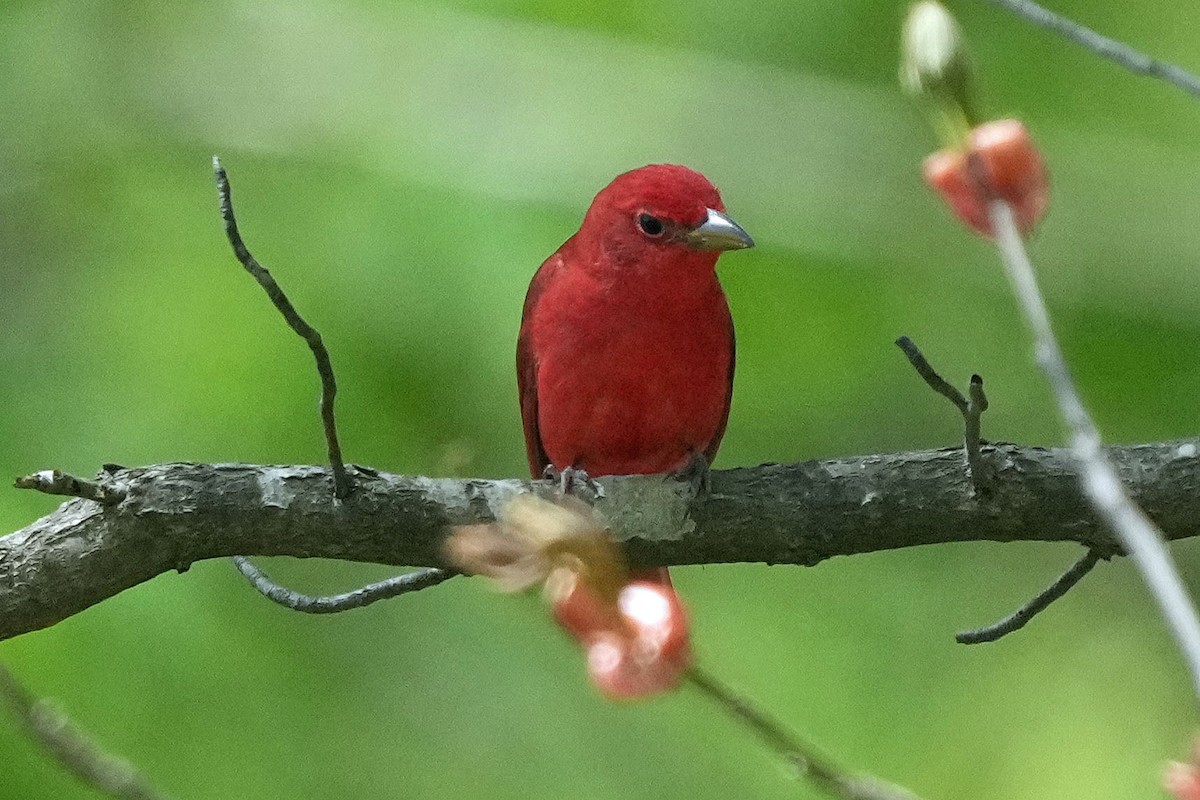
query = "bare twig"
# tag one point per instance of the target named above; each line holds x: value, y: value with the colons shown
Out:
x: 342, y: 481
x: 1122, y: 54
x: 798, y: 754
x: 930, y: 375
x: 71, y: 747
x: 332, y: 604
x: 971, y: 409
x: 977, y: 404
x: 1018, y: 619
x: 1139, y: 536
x: 53, y: 481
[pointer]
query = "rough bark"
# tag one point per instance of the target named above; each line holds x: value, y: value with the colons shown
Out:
x: 175, y: 514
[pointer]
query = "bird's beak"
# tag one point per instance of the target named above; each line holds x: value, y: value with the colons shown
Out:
x: 718, y: 232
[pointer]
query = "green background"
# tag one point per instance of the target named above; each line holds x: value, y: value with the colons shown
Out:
x: 403, y: 169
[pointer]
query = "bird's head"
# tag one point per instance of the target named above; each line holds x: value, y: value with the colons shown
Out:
x: 661, y: 215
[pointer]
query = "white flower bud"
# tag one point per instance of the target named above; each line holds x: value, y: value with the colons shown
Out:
x: 932, y: 58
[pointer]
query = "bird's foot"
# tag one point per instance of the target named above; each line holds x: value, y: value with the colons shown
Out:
x: 697, y: 473
x: 571, y: 479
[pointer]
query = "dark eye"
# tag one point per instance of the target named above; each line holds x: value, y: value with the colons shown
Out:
x: 650, y: 225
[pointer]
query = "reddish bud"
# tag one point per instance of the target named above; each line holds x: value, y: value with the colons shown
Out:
x: 1182, y: 781
x: 654, y: 658
x: 636, y: 648
x: 634, y: 632
x: 536, y: 536
x: 1010, y: 168
x: 579, y: 609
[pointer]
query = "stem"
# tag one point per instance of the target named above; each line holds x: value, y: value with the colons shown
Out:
x: 799, y: 754
x: 1117, y: 52
x: 1140, y: 538
x: 55, y: 732
x: 1018, y: 619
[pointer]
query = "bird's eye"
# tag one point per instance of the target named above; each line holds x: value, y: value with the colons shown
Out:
x: 650, y: 225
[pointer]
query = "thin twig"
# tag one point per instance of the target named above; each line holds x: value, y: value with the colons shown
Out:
x: 332, y: 604
x: 71, y: 747
x: 1118, y: 52
x: 971, y: 410
x: 977, y: 404
x: 798, y: 754
x: 1018, y: 619
x: 53, y: 481
x: 1140, y: 538
x: 342, y: 481
x: 930, y: 375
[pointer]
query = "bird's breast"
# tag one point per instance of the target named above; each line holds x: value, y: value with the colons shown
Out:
x: 626, y: 388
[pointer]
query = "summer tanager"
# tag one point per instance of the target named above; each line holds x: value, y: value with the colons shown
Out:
x: 626, y: 352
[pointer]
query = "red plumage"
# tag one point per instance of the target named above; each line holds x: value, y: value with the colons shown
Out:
x: 626, y: 352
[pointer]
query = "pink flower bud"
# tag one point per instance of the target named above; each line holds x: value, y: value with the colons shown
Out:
x: 638, y: 648
x: 1010, y: 168
x: 654, y: 658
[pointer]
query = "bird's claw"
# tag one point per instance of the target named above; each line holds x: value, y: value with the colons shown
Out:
x: 697, y: 473
x: 569, y: 481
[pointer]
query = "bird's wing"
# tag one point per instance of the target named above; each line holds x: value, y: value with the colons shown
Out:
x: 710, y: 452
x: 527, y: 369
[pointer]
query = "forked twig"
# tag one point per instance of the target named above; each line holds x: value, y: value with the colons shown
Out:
x: 342, y: 480
x: 971, y: 409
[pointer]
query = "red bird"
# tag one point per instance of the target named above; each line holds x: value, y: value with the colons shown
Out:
x: 626, y: 351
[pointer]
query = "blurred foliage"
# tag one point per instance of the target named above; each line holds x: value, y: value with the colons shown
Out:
x: 403, y: 169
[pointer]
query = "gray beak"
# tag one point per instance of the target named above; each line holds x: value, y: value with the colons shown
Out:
x: 718, y: 232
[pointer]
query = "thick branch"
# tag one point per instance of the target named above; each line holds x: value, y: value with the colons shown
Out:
x: 175, y: 514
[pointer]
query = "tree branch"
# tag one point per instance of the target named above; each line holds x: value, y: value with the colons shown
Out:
x: 1136, y: 62
x: 53, y: 481
x: 971, y: 410
x: 1098, y: 478
x: 176, y: 514
x: 55, y: 732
